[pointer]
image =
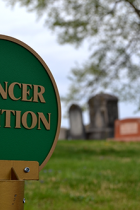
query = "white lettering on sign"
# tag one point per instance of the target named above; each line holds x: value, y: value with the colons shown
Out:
x: 129, y: 128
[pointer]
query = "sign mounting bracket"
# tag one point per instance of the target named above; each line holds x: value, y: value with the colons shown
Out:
x: 12, y: 179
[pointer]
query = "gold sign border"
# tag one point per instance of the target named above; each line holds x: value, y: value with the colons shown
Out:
x: 8, y: 38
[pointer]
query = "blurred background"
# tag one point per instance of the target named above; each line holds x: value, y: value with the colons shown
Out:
x: 91, y: 47
x: 62, y: 56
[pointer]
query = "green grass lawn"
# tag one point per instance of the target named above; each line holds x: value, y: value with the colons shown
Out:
x: 86, y: 175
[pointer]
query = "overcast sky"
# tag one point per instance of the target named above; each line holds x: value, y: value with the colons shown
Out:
x: 20, y: 24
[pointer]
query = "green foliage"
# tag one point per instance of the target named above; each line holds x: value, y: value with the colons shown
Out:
x: 88, y: 175
x: 112, y: 30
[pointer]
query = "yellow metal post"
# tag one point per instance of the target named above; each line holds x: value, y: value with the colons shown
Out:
x: 12, y: 176
x: 11, y: 195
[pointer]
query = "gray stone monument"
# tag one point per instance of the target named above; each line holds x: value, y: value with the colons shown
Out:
x: 103, y: 111
x: 77, y: 130
x: 63, y: 135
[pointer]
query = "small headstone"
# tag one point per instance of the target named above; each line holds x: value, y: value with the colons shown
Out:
x: 127, y: 129
x: 103, y: 111
x: 77, y: 130
x: 63, y: 134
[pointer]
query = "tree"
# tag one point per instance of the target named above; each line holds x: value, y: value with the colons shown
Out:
x: 112, y: 30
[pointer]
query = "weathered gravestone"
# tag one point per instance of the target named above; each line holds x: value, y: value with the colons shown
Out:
x: 77, y: 130
x: 103, y: 111
x: 127, y: 129
x: 63, y: 134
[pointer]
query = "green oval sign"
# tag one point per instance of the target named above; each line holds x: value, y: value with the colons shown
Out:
x: 30, y: 112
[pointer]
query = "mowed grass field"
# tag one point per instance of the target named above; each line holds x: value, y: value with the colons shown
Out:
x: 88, y: 175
